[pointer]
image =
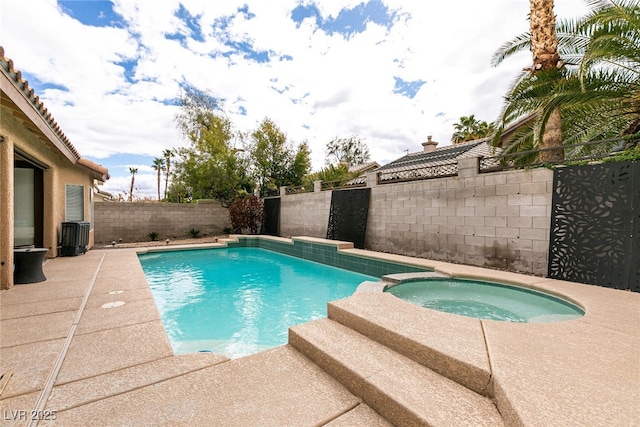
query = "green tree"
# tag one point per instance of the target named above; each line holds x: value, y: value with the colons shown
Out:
x: 210, y: 167
x: 330, y: 173
x: 197, y: 111
x: 301, y: 163
x: 158, y: 166
x: 276, y: 162
x: 133, y: 172
x: 352, y: 151
x: 470, y: 128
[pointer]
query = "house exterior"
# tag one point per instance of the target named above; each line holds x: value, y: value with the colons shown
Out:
x: 433, y: 162
x: 43, y: 179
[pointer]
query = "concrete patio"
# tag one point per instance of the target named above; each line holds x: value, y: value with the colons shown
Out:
x: 79, y: 356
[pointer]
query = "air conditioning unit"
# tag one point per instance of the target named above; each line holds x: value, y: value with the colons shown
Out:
x: 75, y: 238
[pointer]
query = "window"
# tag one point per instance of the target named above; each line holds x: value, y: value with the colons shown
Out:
x: 24, y: 213
x: 74, y: 203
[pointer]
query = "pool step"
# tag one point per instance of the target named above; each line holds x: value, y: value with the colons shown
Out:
x: 424, y: 336
x: 398, y: 388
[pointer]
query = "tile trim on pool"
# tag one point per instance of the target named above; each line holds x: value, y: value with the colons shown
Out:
x: 330, y: 252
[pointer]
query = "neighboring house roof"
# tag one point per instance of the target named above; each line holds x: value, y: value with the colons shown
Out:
x: 17, y: 96
x: 443, y: 161
x: 104, y: 195
x: 364, y: 167
x: 440, y: 162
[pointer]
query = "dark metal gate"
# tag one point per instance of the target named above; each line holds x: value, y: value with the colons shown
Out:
x: 271, y: 222
x: 595, y: 225
x: 348, y: 216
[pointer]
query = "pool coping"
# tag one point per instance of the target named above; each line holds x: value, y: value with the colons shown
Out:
x: 592, y: 299
x: 582, y: 371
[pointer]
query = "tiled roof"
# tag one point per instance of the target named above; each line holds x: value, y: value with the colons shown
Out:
x: 440, y: 156
x: 364, y: 167
x: 23, y: 86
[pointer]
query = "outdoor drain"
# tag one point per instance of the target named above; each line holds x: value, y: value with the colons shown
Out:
x: 113, y: 304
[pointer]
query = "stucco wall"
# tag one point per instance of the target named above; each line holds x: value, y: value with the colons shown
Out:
x: 58, y: 172
x: 132, y: 222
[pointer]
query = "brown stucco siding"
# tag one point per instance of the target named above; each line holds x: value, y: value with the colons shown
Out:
x: 58, y: 172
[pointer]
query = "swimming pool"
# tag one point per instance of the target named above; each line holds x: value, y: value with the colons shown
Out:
x: 486, y: 300
x: 238, y: 301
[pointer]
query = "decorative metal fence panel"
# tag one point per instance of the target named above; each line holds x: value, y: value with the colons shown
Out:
x: 348, y: 216
x: 595, y: 225
x: 271, y: 219
x: 443, y: 169
x: 573, y: 153
x: 300, y: 189
x: 360, y: 181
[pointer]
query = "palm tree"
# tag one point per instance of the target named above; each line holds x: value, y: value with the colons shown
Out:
x: 470, y: 128
x: 168, y: 153
x: 158, y: 165
x: 544, y: 46
x: 538, y: 80
x: 596, y: 88
x: 133, y: 171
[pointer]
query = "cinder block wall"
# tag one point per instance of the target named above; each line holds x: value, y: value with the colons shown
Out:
x: 305, y: 214
x: 498, y: 219
x: 132, y: 222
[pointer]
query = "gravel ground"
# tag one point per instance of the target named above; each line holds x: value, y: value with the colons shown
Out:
x: 172, y: 242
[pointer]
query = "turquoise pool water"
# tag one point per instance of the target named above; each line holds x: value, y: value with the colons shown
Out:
x: 485, y: 300
x: 238, y: 301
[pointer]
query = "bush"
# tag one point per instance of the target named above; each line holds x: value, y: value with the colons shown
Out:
x: 153, y: 236
x: 246, y: 213
x: 194, y: 232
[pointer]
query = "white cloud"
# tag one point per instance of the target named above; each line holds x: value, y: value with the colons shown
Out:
x: 331, y: 87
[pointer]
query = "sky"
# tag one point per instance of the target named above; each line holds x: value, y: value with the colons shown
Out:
x: 390, y: 72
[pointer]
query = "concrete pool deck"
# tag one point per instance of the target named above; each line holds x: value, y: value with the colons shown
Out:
x: 77, y: 354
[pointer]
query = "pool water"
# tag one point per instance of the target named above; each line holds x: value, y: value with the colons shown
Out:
x: 239, y: 301
x: 486, y: 300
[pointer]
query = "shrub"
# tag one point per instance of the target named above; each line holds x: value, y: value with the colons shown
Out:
x: 246, y: 213
x: 194, y: 232
x: 153, y: 236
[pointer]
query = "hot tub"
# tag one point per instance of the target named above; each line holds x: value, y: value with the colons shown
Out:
x: 485, y: 300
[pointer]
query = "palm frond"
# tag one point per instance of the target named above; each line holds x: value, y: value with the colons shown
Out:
x: 518, y: 44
